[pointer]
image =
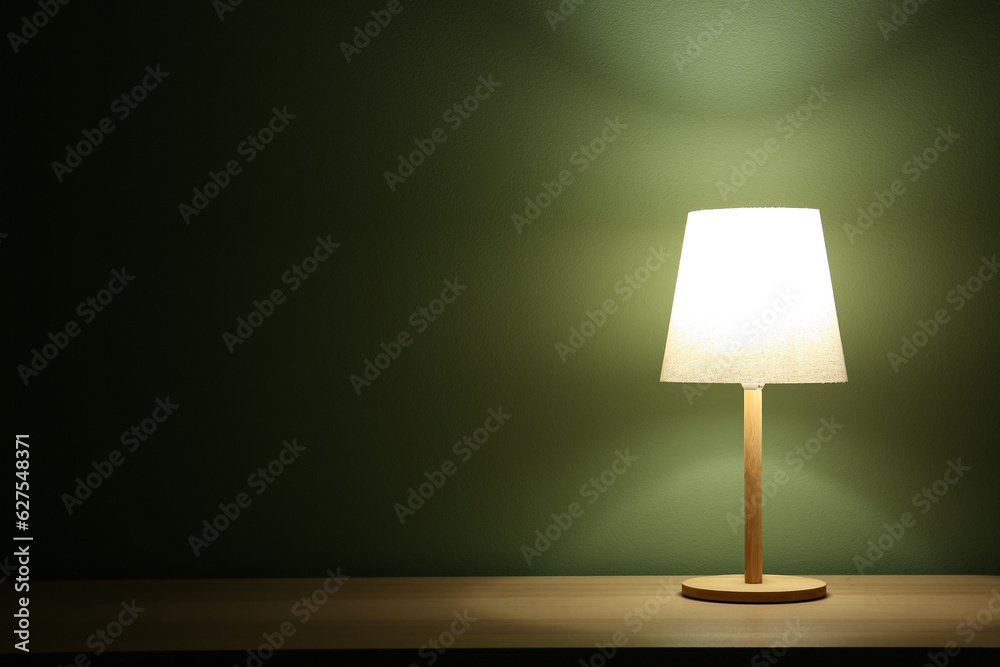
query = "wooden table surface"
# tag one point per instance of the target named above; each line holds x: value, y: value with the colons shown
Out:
x: 502, y: 612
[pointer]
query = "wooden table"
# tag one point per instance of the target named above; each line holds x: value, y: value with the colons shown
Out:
x: 502, y: 612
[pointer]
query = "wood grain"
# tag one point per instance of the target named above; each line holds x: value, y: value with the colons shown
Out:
x: 510, y: 612
x: 773, y: 588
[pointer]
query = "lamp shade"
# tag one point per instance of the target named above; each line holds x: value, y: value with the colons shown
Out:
x: 753, y: 302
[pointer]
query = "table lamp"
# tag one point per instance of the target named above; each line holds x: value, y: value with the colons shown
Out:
x: 754, y: 305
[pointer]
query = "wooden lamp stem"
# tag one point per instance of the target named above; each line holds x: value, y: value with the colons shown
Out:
x: 753, y: 586
x: 753, y: 545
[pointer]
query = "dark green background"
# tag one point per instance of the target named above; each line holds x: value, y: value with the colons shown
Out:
x: 495, y: 346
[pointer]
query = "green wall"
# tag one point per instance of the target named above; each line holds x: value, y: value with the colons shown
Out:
x: 679, y: 121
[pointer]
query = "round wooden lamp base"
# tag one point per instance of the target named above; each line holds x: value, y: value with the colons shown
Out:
x: 774, y: 588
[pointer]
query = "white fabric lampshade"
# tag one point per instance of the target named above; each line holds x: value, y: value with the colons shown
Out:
x: 754, y: 300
